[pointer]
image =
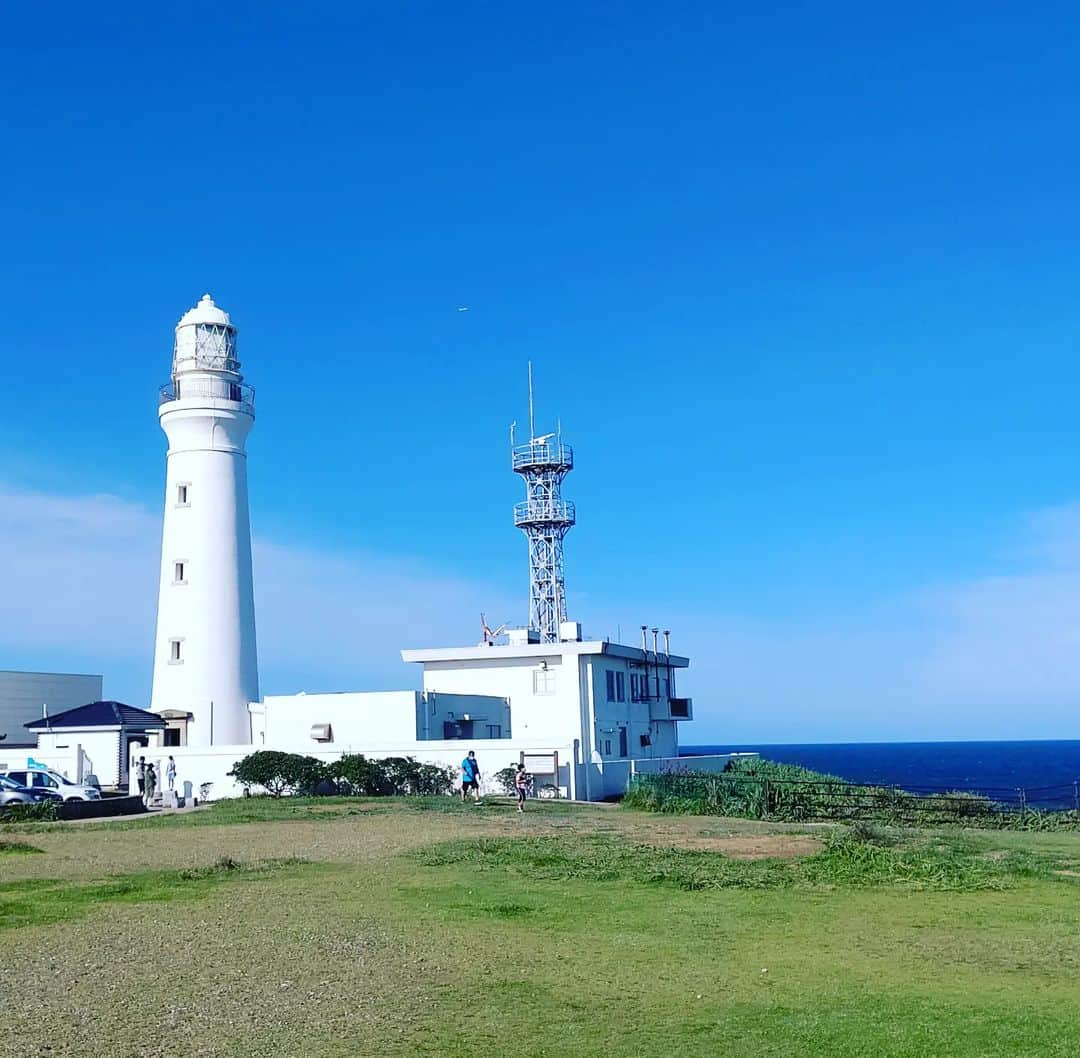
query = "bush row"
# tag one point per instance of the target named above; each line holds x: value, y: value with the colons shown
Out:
x: 38, y: 812
x: 754, y: 788
x: 292, y: 773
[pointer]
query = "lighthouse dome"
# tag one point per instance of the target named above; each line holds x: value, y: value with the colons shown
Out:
x: 205, y: 312
x: 205, y: 340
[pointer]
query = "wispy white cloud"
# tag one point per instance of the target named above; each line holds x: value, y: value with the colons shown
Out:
x: 992, y: 657
x: 78, y: 583
x: 989, y: 657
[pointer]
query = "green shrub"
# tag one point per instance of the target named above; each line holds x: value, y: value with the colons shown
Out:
x: 38, y: 812
x: 359, y: 776
x: 753, y: 788
x: 505, y: 778
x: 279, y: 773
x: 391, y: 775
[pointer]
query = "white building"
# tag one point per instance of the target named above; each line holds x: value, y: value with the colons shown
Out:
x: 205, y: 663
x: 97, y: 738
x: 581, y: 714
x: 616, y: 701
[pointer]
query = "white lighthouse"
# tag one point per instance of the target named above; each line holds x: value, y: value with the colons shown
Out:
x: 205, y: 661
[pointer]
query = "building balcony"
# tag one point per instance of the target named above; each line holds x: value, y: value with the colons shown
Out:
x: 671, y: 709
x: 209, y: 389
x: 540, y: 513
x: 543, y: 455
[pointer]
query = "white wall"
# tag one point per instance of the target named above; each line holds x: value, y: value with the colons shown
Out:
x: 360, y: 719
x: 69, y: 762
x: 628, y: 714
x: 715, y: 762
x: 101, y: 751
x: 210, y: 764
x: 554, y: 717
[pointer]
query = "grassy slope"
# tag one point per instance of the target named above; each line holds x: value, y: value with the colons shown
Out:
x: 566, y: 946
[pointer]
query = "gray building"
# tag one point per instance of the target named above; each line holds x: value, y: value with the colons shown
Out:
x: 22, y: 695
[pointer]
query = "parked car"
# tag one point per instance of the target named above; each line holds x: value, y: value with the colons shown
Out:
x: 47, y: 779
x: 11, y: 793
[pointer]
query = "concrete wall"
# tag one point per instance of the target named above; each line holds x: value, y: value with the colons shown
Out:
x: 633, y: 716
x: 436, y: 708
x: 211, y: 764
x: 359, y: 719
x: 22, y: 695
x: 101, y: 752
x: 69, y: 761
x: 537, y: 717
x: 675, y: 765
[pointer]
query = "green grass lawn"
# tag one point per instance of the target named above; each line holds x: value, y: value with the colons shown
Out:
x: 395, y: 928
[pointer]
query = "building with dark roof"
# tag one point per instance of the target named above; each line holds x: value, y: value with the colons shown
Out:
x: 98, y: 735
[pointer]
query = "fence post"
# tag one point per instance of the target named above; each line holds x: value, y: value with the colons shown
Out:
x: 1023, y: 800
x: 1076, y: 796
x: 765, y: 798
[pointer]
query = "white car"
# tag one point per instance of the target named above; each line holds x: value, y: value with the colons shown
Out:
x: 47, y: 779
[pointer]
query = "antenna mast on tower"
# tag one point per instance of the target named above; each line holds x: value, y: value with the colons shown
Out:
x: 545, y: 518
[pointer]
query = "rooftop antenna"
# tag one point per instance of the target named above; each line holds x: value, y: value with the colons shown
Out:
x: 532, y: 420
x: 545, y: 518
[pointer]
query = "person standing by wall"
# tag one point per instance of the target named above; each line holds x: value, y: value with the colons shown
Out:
x: 470, y: 777
x: 170, y: 774
x: 140, y: 775
x: 150, y: 785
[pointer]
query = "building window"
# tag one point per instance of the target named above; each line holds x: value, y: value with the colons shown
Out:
x: 494, y: 730
x: 176, y: 651
x: 635, y: 694
x: 624, y: 749
x: 616, y: 686
x: 607, y: 746
x: 543, y: 681
x: 179, y: 573
x: 182, y: 495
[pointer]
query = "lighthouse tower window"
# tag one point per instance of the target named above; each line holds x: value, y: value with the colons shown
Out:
x: 180, y: 573
x: 182, y: 496
x: 176, y: 651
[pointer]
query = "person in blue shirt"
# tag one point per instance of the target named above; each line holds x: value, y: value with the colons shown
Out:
x: 470, y: 777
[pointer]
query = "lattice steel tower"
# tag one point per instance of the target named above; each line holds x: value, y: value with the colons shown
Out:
x: 545, y: 517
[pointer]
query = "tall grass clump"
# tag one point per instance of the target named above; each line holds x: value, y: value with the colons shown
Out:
x: 848, y: 861
x: 754, y: 788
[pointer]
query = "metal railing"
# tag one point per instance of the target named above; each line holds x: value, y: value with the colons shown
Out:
x: 537, y: 512
x: 208, y: 389
x: 543, y: 454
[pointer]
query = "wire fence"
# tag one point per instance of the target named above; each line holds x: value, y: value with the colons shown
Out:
x: 800, y: 799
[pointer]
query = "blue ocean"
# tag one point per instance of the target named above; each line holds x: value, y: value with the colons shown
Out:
x: 1047, y: 772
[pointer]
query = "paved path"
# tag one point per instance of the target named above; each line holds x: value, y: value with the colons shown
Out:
x: 137, y: 815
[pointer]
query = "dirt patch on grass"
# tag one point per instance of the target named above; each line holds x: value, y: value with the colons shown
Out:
x: 741, y: 846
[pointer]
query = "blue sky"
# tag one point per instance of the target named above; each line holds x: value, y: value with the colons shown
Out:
x: 800, y: 283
